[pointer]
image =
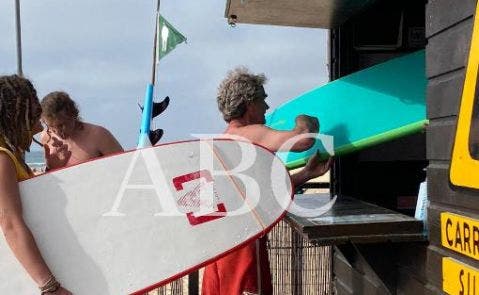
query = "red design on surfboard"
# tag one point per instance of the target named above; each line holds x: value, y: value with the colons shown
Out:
x: 192, y: 197
x: 196, y: 220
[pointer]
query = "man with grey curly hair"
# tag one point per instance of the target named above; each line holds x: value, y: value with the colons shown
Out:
x: 241, y: 100
x: 239, y: 88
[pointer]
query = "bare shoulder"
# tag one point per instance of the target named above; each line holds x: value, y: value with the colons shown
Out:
x: 93, y: 127
x: 251, y: 131
x: 272, y: 139
x: 257, y: 127
x: 107, y: 143
x: 6, y: 164
x: 4, y: 159
x: 95, y: 130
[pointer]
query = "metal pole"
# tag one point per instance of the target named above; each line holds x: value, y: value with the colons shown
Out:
x: 144, y: 139
x: 153, y: 67
x: 19, y: 38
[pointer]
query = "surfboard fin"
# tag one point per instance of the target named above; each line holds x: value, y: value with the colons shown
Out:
x: 155, y: 136
x: 158, y: 107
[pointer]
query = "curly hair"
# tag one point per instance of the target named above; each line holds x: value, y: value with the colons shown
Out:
x: 19, y: 111
x: 58, y: 102
x: 236, y: 90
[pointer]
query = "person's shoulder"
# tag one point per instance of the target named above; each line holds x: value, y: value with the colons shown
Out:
x: 252, y: 128
x: 6, y: 162
x: 257, y: 126
x: 105, y: 141
x: 253, y: 132
x: 256, y: 129
x: 94, y: 129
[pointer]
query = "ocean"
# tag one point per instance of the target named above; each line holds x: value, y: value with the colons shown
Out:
x: 35, y: 160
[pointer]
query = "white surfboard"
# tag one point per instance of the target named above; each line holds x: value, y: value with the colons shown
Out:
x: 131, y: 222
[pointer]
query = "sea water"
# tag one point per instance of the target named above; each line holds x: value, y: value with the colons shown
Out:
x: 35, y: 160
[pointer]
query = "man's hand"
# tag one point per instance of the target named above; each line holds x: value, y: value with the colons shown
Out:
x: 58, y: 156
x: 307, y: 123
x: 315, y: 167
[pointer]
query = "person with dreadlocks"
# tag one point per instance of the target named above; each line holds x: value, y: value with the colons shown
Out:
x: 67, y: 139
x: 20, y: 113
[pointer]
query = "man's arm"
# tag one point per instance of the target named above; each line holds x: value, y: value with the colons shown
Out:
x: 314, y: 168
x: 108, y: 143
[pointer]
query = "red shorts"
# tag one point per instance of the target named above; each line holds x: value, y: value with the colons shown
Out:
x: 237, y: 272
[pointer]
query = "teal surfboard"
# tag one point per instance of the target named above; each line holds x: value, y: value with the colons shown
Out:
x: 369, y: 107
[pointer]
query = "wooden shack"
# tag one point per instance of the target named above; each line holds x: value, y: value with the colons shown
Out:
x: 399, y: 254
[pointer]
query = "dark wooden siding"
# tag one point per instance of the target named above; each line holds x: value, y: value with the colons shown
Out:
x: 358, y: 271
x: 417, y: 267
x: 448, y: 30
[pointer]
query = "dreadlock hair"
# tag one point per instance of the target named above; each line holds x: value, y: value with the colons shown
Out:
x: 17, y: 115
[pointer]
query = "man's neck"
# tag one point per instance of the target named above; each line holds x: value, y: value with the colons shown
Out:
x: 236, y: 124
x: 242, y: 122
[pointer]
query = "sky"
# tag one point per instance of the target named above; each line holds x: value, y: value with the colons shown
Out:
x: 100, y: 52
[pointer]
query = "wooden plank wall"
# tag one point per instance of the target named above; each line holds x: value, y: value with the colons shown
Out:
x: 411, y: 269
x: 383, y: 268
x: 418, y: 267
x: 358, y: 269
x: 448, y: 30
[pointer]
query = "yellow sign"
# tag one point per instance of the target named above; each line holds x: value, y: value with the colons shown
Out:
x: 459, y: 278
x: 464, y: 168
x: 460, y: 234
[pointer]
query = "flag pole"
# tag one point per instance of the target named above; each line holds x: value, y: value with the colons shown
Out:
x: 19, y: 38
x: 144, y: 139
x: 155, y: 44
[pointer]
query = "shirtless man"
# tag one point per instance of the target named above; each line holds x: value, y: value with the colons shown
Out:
x: 241, y: 100
x: 67, y: 140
